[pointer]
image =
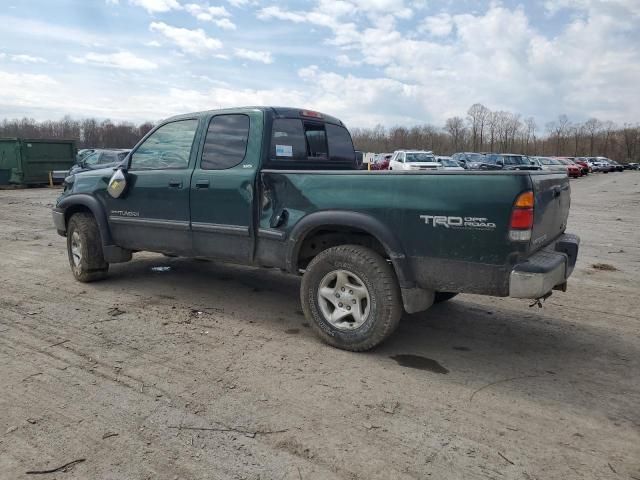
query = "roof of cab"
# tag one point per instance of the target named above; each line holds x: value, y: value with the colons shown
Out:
x: 277, y: 112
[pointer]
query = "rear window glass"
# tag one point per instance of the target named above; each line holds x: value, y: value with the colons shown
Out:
x: 316, y: 140
x: 287, y: 140
x: 296, y: 140
x: 226, y: 142
x: 340, y: 144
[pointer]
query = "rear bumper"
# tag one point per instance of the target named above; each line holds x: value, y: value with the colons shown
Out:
x: 546, y: 269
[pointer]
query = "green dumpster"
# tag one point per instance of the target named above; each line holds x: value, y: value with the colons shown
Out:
x: 27, y: 161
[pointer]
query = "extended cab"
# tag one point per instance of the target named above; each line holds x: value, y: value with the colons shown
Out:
x: 278, y: 187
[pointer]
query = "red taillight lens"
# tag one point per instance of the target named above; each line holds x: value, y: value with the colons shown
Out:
x: 522, y: 219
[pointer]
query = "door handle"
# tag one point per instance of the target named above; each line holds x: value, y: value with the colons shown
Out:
x: 202, y: 184
x: 175, y: 184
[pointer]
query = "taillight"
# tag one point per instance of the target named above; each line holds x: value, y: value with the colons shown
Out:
x: 522, y: 218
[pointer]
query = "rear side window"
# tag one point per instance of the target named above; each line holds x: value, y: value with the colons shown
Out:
x: 340, y: 144
x: 226, y: 143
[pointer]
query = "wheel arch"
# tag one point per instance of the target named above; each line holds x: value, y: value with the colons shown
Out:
x: 345, y: 223
x: 86, y: 203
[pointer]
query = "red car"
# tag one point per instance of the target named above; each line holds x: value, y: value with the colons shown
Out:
x: 573, y: 170
x: 381, y: 162
x: 580, y: 162
x: 586, y: 169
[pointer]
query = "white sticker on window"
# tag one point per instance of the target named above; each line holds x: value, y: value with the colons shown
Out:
x: 284, y: 151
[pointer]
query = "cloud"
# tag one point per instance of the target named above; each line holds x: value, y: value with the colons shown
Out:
x: 497, y: 57
x: 22, y: 58
x: 439, y: 25
x: 157, y: 6
x: 217, y: 15
x: 194, y: 42
x: 120, y: 60
x: 253, y: 55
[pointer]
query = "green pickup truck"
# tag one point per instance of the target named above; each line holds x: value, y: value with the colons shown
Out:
x: 279, y: 187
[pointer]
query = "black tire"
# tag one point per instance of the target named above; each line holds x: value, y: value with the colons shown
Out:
x: 83, y: 235
x: 384, y: 298
x: 443, y: 296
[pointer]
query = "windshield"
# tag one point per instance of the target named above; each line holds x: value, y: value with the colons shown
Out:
x: 548, y: 161
x: 420, y: 157
x: 475, y: 157
x: 449, y: 163
x: 515, y: 160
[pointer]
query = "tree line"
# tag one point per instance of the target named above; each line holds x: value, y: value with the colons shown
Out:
x: 481, y: 130
x: 88, y: 132
x: 484, y: 130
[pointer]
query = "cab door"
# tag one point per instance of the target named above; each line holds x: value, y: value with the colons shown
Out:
x: 222, y: 187
x: 153, y: 214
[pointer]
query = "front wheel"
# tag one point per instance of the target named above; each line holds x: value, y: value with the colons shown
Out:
x: 84, y: 247
x: 351, y: 296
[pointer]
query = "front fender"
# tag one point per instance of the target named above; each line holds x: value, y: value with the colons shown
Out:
x: 361, y: 221
x: 97, y: 209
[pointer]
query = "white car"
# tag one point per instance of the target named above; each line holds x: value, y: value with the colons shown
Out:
x: 414, y: 160
x: 448, y: 163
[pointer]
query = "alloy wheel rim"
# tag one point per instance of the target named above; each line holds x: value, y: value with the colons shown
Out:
x: 76, y: 249
x: 344, y: 300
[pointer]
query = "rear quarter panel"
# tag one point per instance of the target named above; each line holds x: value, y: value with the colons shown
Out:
x: 400, y: 200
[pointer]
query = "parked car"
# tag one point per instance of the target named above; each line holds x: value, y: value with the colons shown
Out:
x: 381, y: 161
x: 202, y: 185
x: 633, y: 166
x: 506, y: 161
x: 584, y: 164
x: 448, y: 164
x: 616, y: 166
x: 603, y: 165
x: 99, y: 158
x: 573, y: 170
x: 414, y: 160
x: 83, y: 152
x: 550, y: 164
x: 468, y: 159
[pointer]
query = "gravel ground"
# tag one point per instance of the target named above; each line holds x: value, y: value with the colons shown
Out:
x: 210, y: 371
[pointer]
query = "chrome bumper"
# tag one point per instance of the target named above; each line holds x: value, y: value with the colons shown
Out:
x: 58, y: 221
x: 545, y: 270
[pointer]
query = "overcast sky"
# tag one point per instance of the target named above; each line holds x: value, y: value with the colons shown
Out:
x: 365, y: 61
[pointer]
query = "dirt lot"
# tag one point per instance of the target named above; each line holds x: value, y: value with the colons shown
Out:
x: 210, y: 371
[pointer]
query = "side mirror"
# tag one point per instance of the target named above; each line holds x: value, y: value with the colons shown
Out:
x: 117, y: 184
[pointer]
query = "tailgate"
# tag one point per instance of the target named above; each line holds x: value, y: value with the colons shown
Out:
x: 552, y: 202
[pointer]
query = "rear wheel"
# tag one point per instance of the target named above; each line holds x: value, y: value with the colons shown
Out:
x: 351, y: 296
x: 84, y: 247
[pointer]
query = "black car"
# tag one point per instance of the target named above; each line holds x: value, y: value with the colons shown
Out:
x: 99, y: 158
x: 616, y: 166
x: 506, y: 161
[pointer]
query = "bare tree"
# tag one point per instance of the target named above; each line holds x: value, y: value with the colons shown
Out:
x: 455, y: 127
x: 592, y: 127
